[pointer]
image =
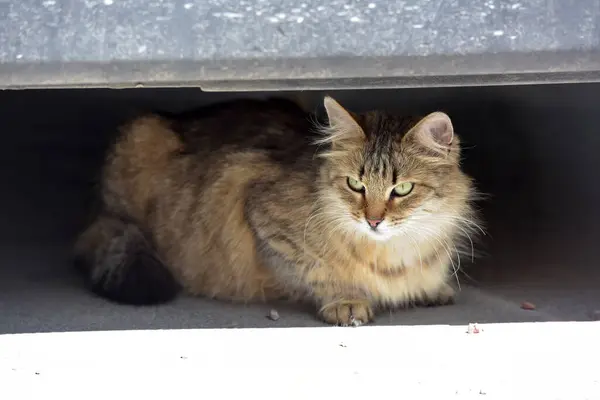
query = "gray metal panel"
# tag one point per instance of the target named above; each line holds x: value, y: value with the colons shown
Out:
x: 234, y: 43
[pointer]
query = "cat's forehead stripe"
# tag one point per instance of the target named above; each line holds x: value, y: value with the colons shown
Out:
x: 379, y: 152
x: 383, y: 131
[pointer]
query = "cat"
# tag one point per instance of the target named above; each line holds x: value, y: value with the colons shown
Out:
x: 255, y: 200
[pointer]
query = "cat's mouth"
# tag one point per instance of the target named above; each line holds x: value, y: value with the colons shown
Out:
x: 379, y: 232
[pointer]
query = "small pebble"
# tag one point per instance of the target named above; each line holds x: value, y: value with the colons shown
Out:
x: 473, y: 328
x: 273, y: 315
x: 527, y: 305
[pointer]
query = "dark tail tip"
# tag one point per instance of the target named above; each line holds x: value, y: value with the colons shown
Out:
x: 125, y: 270
x: 143, y: 280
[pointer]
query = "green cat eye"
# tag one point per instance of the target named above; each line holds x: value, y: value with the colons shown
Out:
x: 355, y: 185
x: 403, y: 189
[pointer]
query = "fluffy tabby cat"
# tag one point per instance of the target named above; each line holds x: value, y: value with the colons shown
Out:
x: 238, y: 201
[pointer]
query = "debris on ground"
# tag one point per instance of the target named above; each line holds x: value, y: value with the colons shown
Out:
x: 273, y: 315
x: 473, y: 328
x: 527, y: 305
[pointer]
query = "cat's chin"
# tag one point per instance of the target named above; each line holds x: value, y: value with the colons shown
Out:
x: 382, y: 234
x: 380, y: 237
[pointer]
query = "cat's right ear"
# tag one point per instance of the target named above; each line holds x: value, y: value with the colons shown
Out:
x: 342, y: 128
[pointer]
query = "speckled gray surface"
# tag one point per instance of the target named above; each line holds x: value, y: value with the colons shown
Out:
x: 197, y: 42
x: 531, y: 148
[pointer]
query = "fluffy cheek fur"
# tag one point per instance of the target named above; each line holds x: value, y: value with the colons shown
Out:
x: 445, y: 223
x: 336, y: 204
x: 426, y: 222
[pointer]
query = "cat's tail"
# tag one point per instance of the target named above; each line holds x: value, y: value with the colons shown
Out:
x: 120, y: 263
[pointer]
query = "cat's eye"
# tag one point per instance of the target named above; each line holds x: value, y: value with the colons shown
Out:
x: 403, y: 189
x: 355, y: 185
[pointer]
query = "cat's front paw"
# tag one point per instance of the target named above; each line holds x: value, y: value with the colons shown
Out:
x: 347, y: 313
x: 445, y: 296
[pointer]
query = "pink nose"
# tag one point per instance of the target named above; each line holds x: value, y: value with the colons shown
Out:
x: 374, y: 222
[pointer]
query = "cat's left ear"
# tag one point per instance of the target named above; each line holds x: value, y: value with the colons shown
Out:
x: 343, y: 128
x: 435, y: 132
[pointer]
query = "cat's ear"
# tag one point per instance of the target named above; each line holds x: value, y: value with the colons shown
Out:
x: 342, y: 127
x: 434, y: 132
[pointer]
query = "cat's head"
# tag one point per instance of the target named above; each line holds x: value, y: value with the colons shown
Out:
x: 386, y: 176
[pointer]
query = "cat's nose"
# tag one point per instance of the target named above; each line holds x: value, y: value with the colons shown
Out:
x: 374, y: 222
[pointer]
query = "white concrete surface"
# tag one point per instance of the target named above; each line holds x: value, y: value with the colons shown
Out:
x: 504, y: 361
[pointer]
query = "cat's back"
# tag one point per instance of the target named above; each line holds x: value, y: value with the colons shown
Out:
x: 268, y: 126
x: 161, y: 153
x: 276, y: 128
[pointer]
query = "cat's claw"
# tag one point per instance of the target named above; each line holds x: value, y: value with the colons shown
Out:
x: 347, y: 313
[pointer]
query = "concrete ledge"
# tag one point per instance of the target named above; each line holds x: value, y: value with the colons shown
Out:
x: 287, y: 44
